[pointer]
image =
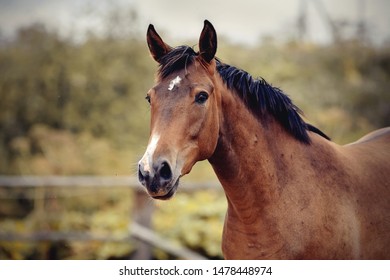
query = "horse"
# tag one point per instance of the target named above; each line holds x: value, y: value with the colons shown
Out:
x: 291, y: 192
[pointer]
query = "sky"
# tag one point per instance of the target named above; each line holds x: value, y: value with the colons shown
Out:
x: 241, y: 21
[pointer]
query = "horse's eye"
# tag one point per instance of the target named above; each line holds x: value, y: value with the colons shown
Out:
x: 147, y: 98
x: 201, y: 97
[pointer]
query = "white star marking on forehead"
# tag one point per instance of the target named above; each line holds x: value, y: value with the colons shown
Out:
x: 175, y: 82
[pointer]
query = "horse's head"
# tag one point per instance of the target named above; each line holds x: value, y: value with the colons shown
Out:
x: 184, y: 112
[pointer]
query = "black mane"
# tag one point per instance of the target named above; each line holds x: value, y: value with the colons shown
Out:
x: 259, y: 96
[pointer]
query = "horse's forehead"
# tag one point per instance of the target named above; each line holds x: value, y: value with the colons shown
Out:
x: 180, y: 82
x: 173, y: 84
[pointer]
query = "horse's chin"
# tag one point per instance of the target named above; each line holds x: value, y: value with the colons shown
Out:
x: 170, y: 191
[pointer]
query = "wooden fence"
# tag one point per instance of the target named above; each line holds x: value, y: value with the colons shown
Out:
x: 139, y: 227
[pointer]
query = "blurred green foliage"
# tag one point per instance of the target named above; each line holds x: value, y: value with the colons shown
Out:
x: 93, y: 212
x: 194, y: 220
x: 71, y: 108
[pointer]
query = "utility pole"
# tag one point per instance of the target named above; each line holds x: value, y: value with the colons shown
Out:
x: 302, y: 20
x: 361, y: 28
x: 334, y: 29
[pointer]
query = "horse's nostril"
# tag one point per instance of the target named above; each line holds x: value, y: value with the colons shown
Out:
x: 165, y: 171
x: 142, y: 177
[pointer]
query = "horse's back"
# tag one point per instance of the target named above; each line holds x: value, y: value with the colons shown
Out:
x: 370, y: 162
x: 372, y: 150
x: 381, y: 135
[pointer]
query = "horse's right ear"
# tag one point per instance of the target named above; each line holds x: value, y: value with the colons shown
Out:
x: 156, y: 45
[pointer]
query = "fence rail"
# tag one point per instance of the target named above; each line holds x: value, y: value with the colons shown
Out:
x: 92, y: 181
x: 139, y: 225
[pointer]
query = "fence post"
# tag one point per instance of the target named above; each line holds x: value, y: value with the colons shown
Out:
x: 143, y: 210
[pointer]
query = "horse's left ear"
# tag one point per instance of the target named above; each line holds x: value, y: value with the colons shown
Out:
x: 208, y: 42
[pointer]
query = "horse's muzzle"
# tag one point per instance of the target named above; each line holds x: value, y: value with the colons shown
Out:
x: 158, y: 179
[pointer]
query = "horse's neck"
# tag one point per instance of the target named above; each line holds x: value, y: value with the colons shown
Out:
x: 243, y: 159
x: 253, y: 158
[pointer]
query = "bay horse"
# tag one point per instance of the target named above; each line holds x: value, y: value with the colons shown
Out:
x: 291, y: 192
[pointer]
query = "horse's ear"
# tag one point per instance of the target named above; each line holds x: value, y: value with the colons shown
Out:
x: 156, y: 45
x: 208, y: 42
